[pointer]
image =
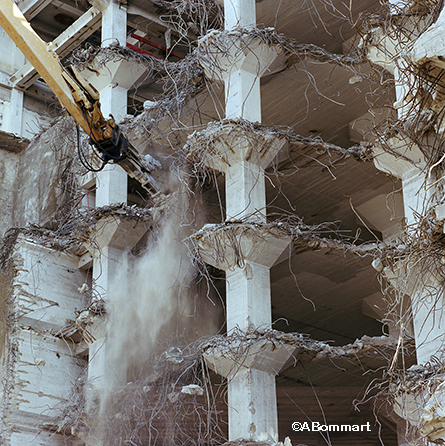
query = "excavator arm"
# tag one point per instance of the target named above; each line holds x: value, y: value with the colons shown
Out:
x: 76, y: 95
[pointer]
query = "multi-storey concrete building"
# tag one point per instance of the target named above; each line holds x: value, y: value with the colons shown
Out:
x: 280, y: 280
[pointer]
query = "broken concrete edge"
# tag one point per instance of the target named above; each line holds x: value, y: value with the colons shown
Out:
x: 185, y: 80
x: 190, y: 357
x: 91, y: 58
x: 304, y: 237
x: 399, y: 18
x: 8, y: 273
x: 68, y: 236
x: 82, y: 224
x: 84, y: 58
x: 21, y: 258
x: 200, y: 144
x: 309, y: 350
x: 422, y: 377
x: 77, y: 229
x: 71, y: 418
x: 424, y: 240
x: 12, y: 336
x: 36, y: 234
x: 12, y: 143
x: 294, y: 51
x: 416, y: 394
x: 78, y: 331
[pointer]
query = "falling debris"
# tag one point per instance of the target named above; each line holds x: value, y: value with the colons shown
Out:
x: 174, y: 355
x: 193, y: 389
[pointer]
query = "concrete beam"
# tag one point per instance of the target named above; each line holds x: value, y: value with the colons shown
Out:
x: 115, y: 232
x: 73, y: 36
x: 222, y: 146
x: 30, y: 8
x: 241, y: 52
x: 116, y: 74
x: 226, y: 246
x: 262, y: 354
x: 403, y: 158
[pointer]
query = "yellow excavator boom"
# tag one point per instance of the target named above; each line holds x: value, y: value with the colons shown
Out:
x: 76, y: 95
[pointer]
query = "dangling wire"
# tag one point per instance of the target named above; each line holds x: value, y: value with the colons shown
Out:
x: 82, y: 157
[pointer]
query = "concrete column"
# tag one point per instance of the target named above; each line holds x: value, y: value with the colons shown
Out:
x: 114, y: 25
x: 111, y: 187
x: 243, y: 99
x: 111, y: 183
x: 404, y: 80
x: 427, y: 302
x: 253, y: 406
x: 429, y: 321
x: 104, y: 374
x: 242, y: 87
x: 15, y: 117
x: 424, y: 289
x: 248, y: 297
x: 245, y: 192
x: 239, y: 13
x: 108, y: 266
x: 415, y: 195
x: 113, y: 100
x: 252, y: 395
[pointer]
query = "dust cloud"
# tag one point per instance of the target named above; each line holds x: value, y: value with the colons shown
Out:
x: 158, y: 305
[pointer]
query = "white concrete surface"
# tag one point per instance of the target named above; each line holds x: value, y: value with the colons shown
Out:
x: 248, y: 297
x: 252, y: 395
x: 429, y: 321
x: 252, y: 406
x: 103, y: 372
x: 242, y: 90
x: 425, y: 290
x: 39, y: 304
x: 14, y: 120
x: 108, y: 263
x: 111, y: 187
x: 41, y: 368
x: 239, y: 13
x: 263, y: 354
x: 111, y: 183
x: 245, y: 192
x: 405, y: 84
x: 226, y: 246
x: 114, y: 24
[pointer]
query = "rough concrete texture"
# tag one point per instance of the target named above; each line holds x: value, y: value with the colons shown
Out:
x: 43, y: 175
x: 38, y: 366
x: 34, y: 183
x: 9, y: 164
